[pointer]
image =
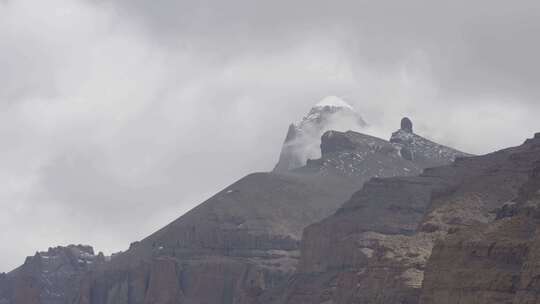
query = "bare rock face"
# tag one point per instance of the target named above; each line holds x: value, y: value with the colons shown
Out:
x: 481, y: 265
x: 375, y: 248
x: 497, y: 262
x: 49, y: 277
x: 27, y: 290
x: 164, y: 283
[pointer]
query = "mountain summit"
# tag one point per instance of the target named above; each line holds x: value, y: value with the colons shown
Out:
x: 304, y: 138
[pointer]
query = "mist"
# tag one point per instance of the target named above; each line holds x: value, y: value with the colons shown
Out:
x: 119, y: 116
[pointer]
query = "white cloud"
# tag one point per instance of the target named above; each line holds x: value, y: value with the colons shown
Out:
x: 116, y: 119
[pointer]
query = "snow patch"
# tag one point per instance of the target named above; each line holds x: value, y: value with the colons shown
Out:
x: 333, y: 101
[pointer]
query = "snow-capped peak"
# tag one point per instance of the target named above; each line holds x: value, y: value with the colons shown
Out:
x: 333, y: 101
x: 303, y: 138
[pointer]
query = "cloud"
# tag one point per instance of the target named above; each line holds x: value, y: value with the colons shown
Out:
x: 118, y: 116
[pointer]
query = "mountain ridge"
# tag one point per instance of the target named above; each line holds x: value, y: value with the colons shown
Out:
x: 243, y: 241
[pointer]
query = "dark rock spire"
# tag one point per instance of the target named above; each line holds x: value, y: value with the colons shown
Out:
x: 407, y: 125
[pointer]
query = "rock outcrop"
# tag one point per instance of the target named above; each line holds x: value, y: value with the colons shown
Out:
x: 49, y: 277
x: 406, y: 125
x: 420, y: 149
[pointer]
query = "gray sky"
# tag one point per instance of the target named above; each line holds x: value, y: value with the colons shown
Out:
x: 118, y: 116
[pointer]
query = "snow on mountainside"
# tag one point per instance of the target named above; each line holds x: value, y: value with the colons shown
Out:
x: 304, y: 137
x: 353, y: 154
x: 333, y: 101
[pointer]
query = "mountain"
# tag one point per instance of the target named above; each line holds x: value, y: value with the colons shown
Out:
x: 303, y: 138
x: 244, y: 241
x: 477, y: 216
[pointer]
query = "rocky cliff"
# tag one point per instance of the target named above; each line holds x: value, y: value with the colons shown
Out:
x: 49, y: 277
x: 375, y: 248
x: 496, y: 262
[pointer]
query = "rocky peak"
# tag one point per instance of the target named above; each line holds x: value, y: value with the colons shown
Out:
x: 304, y: 137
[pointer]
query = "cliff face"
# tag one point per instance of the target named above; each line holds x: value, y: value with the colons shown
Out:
x: 497, y: 262
x: 375, y: 248
x: 483, y: 265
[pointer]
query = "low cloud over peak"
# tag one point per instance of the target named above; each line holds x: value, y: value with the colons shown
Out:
x: 132, y: 112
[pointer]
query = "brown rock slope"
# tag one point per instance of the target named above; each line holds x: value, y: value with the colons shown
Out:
x: 492, y: 263
x: 374, y: 249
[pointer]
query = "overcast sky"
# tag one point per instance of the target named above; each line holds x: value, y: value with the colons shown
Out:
x: 118, y: 116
